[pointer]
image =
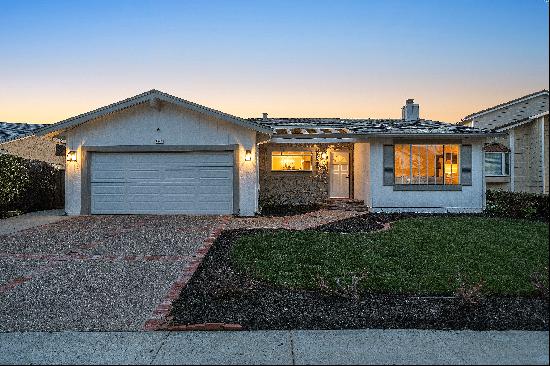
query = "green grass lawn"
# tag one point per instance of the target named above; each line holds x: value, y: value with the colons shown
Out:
x: 417, y: 255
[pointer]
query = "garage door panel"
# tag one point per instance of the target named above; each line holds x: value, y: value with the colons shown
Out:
x: 108, y: 188
x: 214, y: 190
x: 186, y: 183
x: 108, y: 176
x: 136, y: 174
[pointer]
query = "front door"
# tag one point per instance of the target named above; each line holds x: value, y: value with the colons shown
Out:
x: 339, y: 174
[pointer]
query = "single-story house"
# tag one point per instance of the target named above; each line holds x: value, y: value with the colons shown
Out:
x: 156, y: 153
x: 517, y: 162
x: 18, y: 139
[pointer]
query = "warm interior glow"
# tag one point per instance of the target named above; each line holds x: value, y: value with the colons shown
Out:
x: 291, y: 161
x: 426, y: 164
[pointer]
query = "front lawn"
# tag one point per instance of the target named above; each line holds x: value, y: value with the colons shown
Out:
x: 422, y: 255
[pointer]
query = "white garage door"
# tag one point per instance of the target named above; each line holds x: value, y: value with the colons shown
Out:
x: 162, y: 183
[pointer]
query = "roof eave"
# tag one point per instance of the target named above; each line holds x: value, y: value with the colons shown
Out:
x: 144, y: 98
x: 389, y: 135
x: 495, y: 108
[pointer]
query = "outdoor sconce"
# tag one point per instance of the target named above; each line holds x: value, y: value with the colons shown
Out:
x: 248, y: 155
x: 71, y: 155
x: 324, y: 156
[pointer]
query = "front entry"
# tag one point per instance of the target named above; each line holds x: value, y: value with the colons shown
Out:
x: 339, y: 174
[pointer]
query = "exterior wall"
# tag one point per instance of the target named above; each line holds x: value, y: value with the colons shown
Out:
x: 297, y: 188
x: 142, y: 125
x: 361, y: 170
x: 384, y: 198
x: 502, y: 116
x: 34, y: 147
x: 528, y: 168
x: 546, y: 160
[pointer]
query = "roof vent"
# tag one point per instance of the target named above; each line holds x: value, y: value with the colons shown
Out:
x: 410, y: 111
x: 264, y: 116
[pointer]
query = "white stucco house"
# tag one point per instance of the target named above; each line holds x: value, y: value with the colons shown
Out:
x: 156, y: 153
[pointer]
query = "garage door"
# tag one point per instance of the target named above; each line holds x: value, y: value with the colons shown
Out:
x: 162, y: 183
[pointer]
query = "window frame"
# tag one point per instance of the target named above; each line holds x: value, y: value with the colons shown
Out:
x: 425, y: 146
x: 306, y: 152
x: 504, y: 161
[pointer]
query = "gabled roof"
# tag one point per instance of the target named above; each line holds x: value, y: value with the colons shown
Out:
x: 519, y: 122
x: 146, y: 97
x: 302, y: 127
x: 502, y: 105
x: 12, y: 131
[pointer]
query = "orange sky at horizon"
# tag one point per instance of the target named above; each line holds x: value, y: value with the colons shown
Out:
x: 446, y: 108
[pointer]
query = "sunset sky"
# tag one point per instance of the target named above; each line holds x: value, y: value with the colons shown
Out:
x: 354, y: 59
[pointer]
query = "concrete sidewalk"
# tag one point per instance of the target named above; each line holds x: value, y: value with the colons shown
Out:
x: 26, y: 221
x: 276, y: 347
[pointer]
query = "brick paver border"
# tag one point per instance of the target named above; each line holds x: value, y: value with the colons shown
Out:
x: 160, y: 317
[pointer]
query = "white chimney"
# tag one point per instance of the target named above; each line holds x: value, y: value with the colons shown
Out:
x: 264, y: 116
x: 411, y: 111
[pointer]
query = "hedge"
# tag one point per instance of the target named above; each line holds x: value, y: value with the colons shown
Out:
x: 29, y: 185
x: 517, y: 205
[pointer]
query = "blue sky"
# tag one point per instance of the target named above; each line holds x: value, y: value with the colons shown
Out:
x: 288, y: 58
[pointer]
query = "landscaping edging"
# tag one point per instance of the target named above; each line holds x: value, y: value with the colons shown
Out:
x: 219, y: 293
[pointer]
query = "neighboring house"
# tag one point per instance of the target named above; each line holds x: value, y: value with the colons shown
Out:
x: 18, y: 139
x: 517, y: 162
x: 156, y: 153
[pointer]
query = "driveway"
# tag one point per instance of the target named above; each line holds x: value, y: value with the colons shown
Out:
x: 95, y: 272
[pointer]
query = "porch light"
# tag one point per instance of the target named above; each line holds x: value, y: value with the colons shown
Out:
x: 248, y: 155
x: 71, y: 155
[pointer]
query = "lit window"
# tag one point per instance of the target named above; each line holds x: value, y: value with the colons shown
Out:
x: 427, y: 164
x: 497, y: 164
x: 291, y: 161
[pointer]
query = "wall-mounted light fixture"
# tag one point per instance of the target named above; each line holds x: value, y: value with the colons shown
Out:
x: 71, y: 155
x: 248, y: 155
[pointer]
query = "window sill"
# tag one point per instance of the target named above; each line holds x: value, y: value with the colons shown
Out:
x: 497, y: 179
x: 291, y: 171
x: 425, y: 187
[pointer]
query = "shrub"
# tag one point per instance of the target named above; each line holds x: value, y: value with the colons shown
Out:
x: 517, y: 205
x: 29, y: 185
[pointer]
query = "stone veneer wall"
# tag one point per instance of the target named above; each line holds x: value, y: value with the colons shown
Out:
x: 297, y: 188
x: 527, y: 158
x: 34, y: 147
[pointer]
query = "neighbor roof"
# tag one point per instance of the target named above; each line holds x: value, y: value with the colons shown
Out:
x: 144, y: 98
x: 514, y: 101
x: 337, y: 126
x: 11, y: 131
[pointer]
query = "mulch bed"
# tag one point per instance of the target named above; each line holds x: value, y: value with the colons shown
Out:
x: 218, y: 293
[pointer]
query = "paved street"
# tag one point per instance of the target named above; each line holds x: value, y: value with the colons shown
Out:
x: 277, y: 347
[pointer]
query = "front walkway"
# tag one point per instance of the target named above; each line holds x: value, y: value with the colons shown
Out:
x: 26, y: 221
x: 277, y: 347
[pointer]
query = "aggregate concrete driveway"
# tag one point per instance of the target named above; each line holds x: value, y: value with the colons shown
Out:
x: 95, y: 272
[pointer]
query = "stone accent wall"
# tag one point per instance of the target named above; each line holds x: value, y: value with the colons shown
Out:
x: 527, y: 158
x: 34, y: 147
x: 297, y: 188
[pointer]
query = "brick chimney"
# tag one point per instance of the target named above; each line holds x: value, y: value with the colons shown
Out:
x: 410, y: 111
